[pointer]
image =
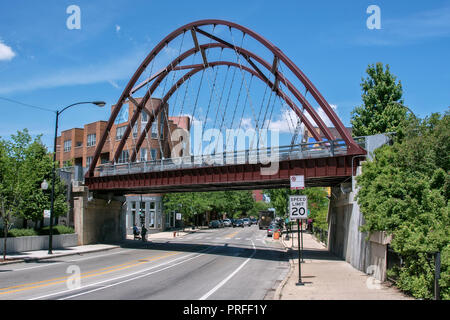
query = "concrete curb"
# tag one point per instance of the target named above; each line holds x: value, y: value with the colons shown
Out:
x: 277, y: 295
x: 57, y: 255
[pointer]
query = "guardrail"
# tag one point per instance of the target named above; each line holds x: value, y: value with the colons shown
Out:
x: 264, y: 155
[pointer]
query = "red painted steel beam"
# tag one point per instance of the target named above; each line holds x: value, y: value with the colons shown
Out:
x: 352, y: 146
x: 174, y: 65
x: 327, y: 169
x: 198, y: 68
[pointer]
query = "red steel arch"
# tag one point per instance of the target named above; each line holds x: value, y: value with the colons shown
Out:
x: 246, y: 53
x: 352, y: 147
x: 198, y: 68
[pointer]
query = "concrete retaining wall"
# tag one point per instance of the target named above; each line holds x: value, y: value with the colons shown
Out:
x: 31, y: 243
x: 98, y: 220
x: 367, y: 254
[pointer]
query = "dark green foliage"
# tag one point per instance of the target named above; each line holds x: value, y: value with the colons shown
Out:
x: 379, y: 112
x: 233, y: 203
x: 24, y: 164
x: 405, y: 192
x: 17, y: 232
x: 58, y: 229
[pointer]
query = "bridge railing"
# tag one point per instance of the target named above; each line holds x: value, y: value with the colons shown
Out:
x: 261, y: 155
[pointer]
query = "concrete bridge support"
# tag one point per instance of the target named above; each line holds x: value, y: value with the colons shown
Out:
x: 365, y: 253
x: 98, y: 219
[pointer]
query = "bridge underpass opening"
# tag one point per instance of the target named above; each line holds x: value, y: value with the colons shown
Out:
x: 215, y: 99
x: 216, y: 106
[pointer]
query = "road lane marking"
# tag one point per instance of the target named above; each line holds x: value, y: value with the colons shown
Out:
x: 44, y: 283
x: 128, y: 280
x: 124, y: 276
x: 219, y: 285
x: 68, y: 261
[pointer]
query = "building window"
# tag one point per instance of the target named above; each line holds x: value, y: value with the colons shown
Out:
x: 154, y: 130
x: 124, y: 157
x: 91, y: 140
x: 161, y: 126
x: 135, y: 130
x: 144, y: 155
x: 88, y: 161
x: 67, y: 145
x: 153, y: 154
x: 144, y: 117
x: 120, y: 131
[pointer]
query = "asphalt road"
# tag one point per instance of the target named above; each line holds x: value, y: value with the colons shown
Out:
x: 226, y: 263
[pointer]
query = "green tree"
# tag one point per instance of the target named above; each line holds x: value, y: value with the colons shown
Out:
x: 232, y: 203
x: 37, y: 166
x: 404, y: 191
x: 380, y: 112
x: 257, y: 207
x: 317, y: 203
x: 26, y: 164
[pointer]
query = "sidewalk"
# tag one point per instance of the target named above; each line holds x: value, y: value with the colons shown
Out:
x: 327, y: 277
x: 168, y: 234
x: 43, y: 254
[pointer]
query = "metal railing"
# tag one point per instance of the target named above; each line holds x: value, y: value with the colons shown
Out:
x: 321, y: 235
x: 263, y: 155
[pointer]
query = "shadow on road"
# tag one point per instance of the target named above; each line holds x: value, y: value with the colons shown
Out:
x: 226, y: 249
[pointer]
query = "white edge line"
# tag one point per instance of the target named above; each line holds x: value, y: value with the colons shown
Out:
x: 124, y: 276
x: 218, y: 286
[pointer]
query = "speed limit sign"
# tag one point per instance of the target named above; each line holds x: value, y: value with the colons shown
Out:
x: 298, y: 207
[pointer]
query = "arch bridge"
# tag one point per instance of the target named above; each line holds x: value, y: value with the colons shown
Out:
x: 235, y: 87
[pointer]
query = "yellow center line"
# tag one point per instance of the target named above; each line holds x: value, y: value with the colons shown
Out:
x: 88, y: 274
x: 232, y: 235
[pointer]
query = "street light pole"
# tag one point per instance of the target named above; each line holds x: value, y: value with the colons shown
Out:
x: 52, y: 201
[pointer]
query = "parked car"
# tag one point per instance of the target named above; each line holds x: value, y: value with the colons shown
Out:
x: 254, y: 221
x: 272, y: 228
x: 227, y: 222
x: 214, y: 224
x: 221, y: 223
x: 238, y: 223
x: 246, y: 222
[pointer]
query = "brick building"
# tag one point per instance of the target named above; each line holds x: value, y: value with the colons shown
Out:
x: 76, y: 147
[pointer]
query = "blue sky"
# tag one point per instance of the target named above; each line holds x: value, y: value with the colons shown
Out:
x: 43, y: 63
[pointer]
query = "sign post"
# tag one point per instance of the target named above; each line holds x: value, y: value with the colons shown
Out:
x: 298, y: 210
x: 46, y: 213
x: 297, y: 182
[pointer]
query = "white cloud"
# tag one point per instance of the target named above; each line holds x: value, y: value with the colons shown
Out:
x: 110, y: 71
x: 117, y: 28
x: 323, y: 116
x: 409, y: 29
x: 6, y: 53
x: 114, y: 84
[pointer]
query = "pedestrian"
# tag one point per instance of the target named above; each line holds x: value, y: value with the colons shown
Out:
x: 135, y: 232
x: 309, y: 227
x: 143, y: 233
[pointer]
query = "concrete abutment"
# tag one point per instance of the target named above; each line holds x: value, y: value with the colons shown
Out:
x: 98, y: 219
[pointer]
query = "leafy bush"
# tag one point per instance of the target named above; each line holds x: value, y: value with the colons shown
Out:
x: 404, y: 192
x: 14, y: 233
x: 58, y: 229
